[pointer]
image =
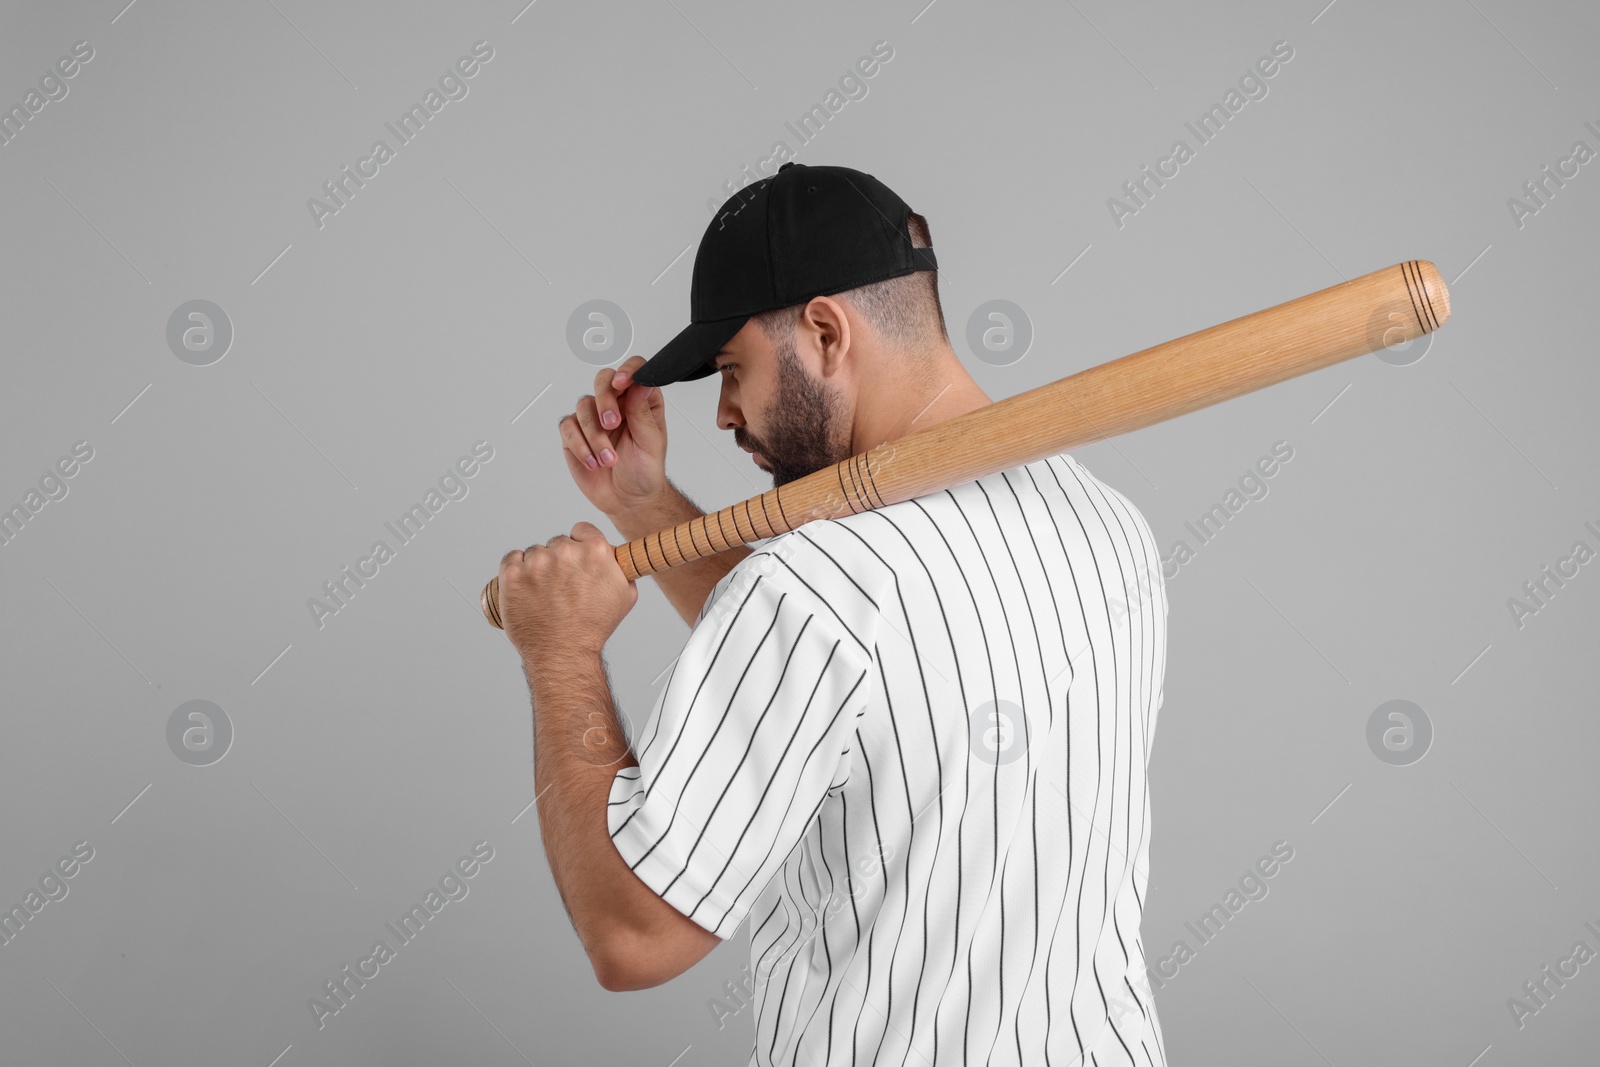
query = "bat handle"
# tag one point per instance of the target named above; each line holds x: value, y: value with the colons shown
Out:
x: 653, y: 550
x: 774, y: 512
x: 627, y: 556
x: 489, y: 599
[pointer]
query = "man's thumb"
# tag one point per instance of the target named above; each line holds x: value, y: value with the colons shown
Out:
x: 644, y: 421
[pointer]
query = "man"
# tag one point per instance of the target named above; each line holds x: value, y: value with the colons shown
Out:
x: 908, y: 745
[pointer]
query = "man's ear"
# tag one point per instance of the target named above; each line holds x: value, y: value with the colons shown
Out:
x: 825, y: 327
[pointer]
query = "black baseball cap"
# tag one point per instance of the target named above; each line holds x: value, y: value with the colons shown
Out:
x: 803, y: 232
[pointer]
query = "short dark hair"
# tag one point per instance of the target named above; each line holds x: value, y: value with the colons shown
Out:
x: 904, y: 310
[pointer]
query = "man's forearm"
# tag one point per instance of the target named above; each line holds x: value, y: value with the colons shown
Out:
x: 634, y: 938
x: 688, y: 584
x: 578, y: 747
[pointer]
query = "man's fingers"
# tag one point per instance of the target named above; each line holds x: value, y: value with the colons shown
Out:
x: 598, y: 439
x: 645, y: 417
x: 514, y: 556
x: 575, y: 465
x: 608, y: 386
x: 572, y: 437
x: 573, y: 441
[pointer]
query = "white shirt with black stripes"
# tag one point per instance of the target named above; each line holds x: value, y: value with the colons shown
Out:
x: 909, y: 746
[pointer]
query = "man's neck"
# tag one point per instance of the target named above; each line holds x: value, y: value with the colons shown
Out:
x: 950, y: 393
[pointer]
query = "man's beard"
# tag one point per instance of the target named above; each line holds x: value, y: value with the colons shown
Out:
x: 806, y: 427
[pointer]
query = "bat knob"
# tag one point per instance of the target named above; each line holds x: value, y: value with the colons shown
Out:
x: 1432, y: 293
x: 1414, y: 307
x: 489, y: 601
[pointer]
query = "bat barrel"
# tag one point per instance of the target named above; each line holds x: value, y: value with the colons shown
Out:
x: 1384, y: 308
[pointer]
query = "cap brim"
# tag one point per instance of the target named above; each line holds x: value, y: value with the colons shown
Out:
x: 688, y: 355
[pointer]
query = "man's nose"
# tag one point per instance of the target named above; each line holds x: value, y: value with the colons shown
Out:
x: 728, y: 415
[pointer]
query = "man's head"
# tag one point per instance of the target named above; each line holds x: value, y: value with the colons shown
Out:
x: 797, y: 381
x: 816, y: 298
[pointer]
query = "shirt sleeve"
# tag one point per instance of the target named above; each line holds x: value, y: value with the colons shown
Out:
x: 746, y: 739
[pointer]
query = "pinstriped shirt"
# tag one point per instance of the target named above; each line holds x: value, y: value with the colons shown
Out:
x: 909, y: 746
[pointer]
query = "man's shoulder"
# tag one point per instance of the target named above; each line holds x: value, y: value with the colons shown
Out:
x: 868, y: 547
x: 1056, y: 490
x: 826, y: 549
x: 818, y: 550
x: 904, y: 526
x: 809, y: 571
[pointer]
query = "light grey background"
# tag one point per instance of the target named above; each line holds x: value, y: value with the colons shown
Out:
x: 431, y: 312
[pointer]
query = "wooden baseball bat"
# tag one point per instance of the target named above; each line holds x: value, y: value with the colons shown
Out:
x: 1387, y: 307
